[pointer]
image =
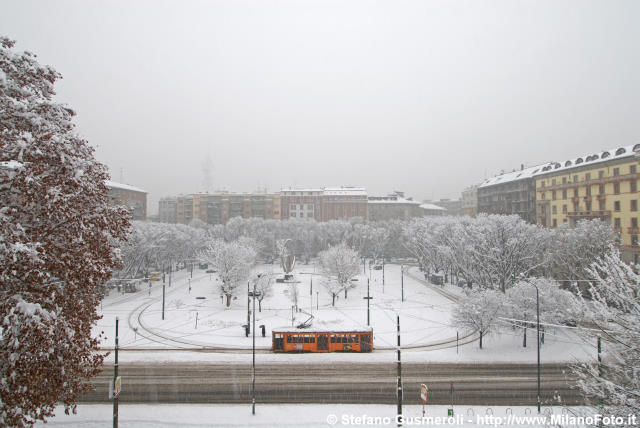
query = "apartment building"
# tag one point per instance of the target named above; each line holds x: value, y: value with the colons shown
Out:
x: 132, y: 197
x: 601, y: 185
x: 511, y: 193
x: 324, y: 204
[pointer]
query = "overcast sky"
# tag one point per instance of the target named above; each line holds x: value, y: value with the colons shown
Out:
x: 422, y: 96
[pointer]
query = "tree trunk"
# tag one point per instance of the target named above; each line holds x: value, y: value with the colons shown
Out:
x: 524, y: 337
x: 333, y: 301
x: 345, y: 293
x: 228, y: 300
x: 480, y: 339
x: 259, y: 305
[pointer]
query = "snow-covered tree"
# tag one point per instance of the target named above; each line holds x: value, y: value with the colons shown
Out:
x: 264, y: 288
x: 332, y: 286
x: 341, y: 263
x: 478, y: 311
x: 57, y: 245
x: 556, y: 305
x: 294, y: 293
x: 614, y: 309
x: 233, y: 261
x: 576, y: 248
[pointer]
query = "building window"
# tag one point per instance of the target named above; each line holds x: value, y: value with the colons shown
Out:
x: 601, y: 206
x: 554, y: 209
x: 555, y: 222
x: 634, y: 205
x: 633, y: 186
x: 575, y: 178
x: 564, y: 193
x: 575, y: 192
x: 616, y: 171
x: 542, y: 184
x: 588, y: 191
x: 616, y: 223
x: 634, y: 240
x: 601, y: 189
x: 600, y: 174
x: 616, y: 206
x: 588, y: 206
x: 564, y: 208
x: 587, y: 176
x: 542, y: 196
x: 632, y: 169
x: 553, y: 181
x: 616, y: 188
x: 564, y: 180
x: 293, y: 214
x: 634, y: 222
x: 553, y: 195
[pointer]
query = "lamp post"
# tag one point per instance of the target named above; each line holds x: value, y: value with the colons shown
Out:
x: 254, y: 294
x: 538, y: 332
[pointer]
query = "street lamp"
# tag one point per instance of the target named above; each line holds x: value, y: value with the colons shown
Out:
x: 254, y: 294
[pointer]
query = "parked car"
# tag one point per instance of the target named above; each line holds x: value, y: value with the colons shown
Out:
x: 462, y: 283
x: 377, y: 267
x: 211, y: 271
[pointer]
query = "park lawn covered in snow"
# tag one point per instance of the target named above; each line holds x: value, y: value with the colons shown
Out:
x: 424, y: 318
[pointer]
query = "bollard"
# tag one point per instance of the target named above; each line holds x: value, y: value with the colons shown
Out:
x: 263, y: 330
x: 246, y: 329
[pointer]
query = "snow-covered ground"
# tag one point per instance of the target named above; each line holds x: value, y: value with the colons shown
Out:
x: 424, y: 316
x: 305, y: 415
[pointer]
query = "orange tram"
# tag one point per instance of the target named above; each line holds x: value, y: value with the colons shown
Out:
x: 298, y: 340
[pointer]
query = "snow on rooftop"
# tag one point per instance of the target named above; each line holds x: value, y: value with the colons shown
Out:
x: 391, y: 200
x: 551, y: 167
x: 342, y: 190
x: 342, y: 328
x: 591, y: 159
x: 428, y: 206
x: 515, y: 175
x: 114, y: 185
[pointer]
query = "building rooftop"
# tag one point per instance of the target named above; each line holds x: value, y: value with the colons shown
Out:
x: 552, y: 167
x: 114, y: 185
x: 428, y: 206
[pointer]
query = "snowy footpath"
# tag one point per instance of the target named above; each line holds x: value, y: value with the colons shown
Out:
x: 314, y: 415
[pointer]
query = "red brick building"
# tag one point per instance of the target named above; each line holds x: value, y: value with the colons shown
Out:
x: 329, y: 203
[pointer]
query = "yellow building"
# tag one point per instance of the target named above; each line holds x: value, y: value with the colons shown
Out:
x: 602, y: 185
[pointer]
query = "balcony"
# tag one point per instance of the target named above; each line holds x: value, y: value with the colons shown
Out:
x: 603, y: 180
x: 587, y: 198
x: 589, y: 214
x: 575, y: 199
x: 602, y: 197
x: 633, y: 230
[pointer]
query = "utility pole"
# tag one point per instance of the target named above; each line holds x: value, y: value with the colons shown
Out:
x: 115, y: 376
x: 538, y: 337
x: 402, y: 281
x: 399, y: 374
x: 248, y: 303
x: 317, y: 300
x: 383, y: 273
x: 368, y: 299
x: 253, y: 376
x: 163, y: 288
